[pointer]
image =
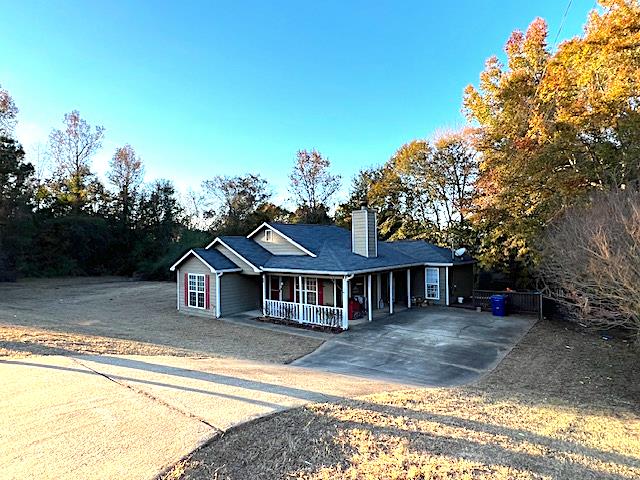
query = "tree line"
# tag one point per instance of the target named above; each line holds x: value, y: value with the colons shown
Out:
x: 551, y: 130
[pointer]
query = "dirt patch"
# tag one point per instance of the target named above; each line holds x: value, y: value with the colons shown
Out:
x: 563, y: 404
x: 117, y: 316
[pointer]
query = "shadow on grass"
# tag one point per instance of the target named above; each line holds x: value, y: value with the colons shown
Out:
x: 490, y: 453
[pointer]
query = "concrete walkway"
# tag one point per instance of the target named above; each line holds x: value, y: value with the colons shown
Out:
x: 129, y: 417
x: 433, y: 347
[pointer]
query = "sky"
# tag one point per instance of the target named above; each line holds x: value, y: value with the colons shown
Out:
x: 226, y: 88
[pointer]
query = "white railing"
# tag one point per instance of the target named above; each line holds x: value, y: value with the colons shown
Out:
x: 304, y: 313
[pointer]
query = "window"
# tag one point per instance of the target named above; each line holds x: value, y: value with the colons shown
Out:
x: 268, y: 236
x: 196, y: 291
x: 310, y: 290
x: 432, y: 283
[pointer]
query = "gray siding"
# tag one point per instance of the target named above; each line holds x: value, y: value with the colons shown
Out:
x: 278, y: 246
x: 246, y: 268
x: 461, y: 281
x: 239, y: 293
x: 417, y: 282
x: 193, y: 265
x: 363, y: 232
x: 443, y: 287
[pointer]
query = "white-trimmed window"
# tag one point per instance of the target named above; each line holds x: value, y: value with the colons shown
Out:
x: 268, y: 235
x: 432, y: 283
x: 196, y: 290
x: 310, y: 290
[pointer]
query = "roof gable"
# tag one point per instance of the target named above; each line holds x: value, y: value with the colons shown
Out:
x: 275, y: 228
x: 211, y: 258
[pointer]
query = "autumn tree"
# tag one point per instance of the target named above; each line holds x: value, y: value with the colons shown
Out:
x: 8, y: 112
x: 71, y: 149
x: 553, y: 127
x: 125, y: 174
x: 233, y: 203
x: 313, y: 186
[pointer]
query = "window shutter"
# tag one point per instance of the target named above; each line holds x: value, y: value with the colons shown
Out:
x: 320, y: 292
x: 206, y: 292
x: 186, y: 289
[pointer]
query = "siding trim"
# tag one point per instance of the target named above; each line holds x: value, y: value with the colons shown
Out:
x: 191, y: 252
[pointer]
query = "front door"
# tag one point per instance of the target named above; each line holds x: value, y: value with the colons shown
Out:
x: 274, y: 288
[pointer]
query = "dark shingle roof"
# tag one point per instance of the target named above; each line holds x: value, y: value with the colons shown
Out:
x: 215, y: 259
x: 332, y: 247
x: 248, y: 248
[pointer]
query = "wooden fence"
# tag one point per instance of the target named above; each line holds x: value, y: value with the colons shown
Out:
x: 517, y: 302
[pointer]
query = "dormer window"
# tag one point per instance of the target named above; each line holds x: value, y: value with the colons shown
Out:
x: 268, y: 236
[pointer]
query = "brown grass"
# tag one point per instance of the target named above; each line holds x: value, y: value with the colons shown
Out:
x: 563, y: 404
x: 112, y: 315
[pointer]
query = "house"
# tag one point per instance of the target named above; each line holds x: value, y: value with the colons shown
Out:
x: 318, y: 274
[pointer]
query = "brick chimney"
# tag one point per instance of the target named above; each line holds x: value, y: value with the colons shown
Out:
x: 364, y: 232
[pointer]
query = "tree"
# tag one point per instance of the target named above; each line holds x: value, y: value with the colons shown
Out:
x: 16, y: 192
x: 233, y: 202
x: 126, y: 173
x: 591, y: 260
x: 313, y: 186
x: 552, y: 128
x: 71, y: 149
x: 8, y: 112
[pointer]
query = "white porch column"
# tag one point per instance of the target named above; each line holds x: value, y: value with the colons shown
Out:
x: 178, y: 290
x: 446, y: 281
x: 408, y: 288
x: 369, y: 299
x: 264, y: 294
x: 335, y: 294
x: 300, y: 295
x: 345, y: 303
x: 390, y: 293
x: 378, y: 289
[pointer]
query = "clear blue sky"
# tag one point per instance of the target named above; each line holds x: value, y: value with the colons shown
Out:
x: 212, y: 87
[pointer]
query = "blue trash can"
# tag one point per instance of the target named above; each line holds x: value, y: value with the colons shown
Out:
x: 499, y: 305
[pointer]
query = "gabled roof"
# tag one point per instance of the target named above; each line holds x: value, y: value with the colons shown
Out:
x: 212, y: 258
x: 273, y: 226
x: 331, y: 247
x: 247, y: 248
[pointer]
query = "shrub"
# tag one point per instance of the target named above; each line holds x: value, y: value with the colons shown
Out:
x: 591, y: 261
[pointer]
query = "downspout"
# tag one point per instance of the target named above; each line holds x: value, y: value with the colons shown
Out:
x: 218, y: 275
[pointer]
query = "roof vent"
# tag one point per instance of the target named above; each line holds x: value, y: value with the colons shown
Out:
x: 364, y: 232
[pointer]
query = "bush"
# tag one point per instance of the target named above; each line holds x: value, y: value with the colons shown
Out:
x: 591, y: 261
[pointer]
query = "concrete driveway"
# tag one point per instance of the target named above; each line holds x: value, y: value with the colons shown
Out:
x: 422, y: 346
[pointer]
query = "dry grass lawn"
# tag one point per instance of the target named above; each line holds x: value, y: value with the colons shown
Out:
x: 112, y: 315
x: 564, y: 404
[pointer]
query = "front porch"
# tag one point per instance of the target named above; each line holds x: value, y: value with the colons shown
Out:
x: 334, y: 301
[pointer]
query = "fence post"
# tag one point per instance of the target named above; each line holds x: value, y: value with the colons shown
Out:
x: 540, y: 315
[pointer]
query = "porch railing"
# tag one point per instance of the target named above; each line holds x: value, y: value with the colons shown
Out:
x: 304, y: 313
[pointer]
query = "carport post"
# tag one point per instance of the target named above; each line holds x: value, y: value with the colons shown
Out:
x: 446, y: 281
x: 390, y: 293
x: 264, y: 294
x: 408, y: 288
x: 345, y: 303
x: 369, y: 300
